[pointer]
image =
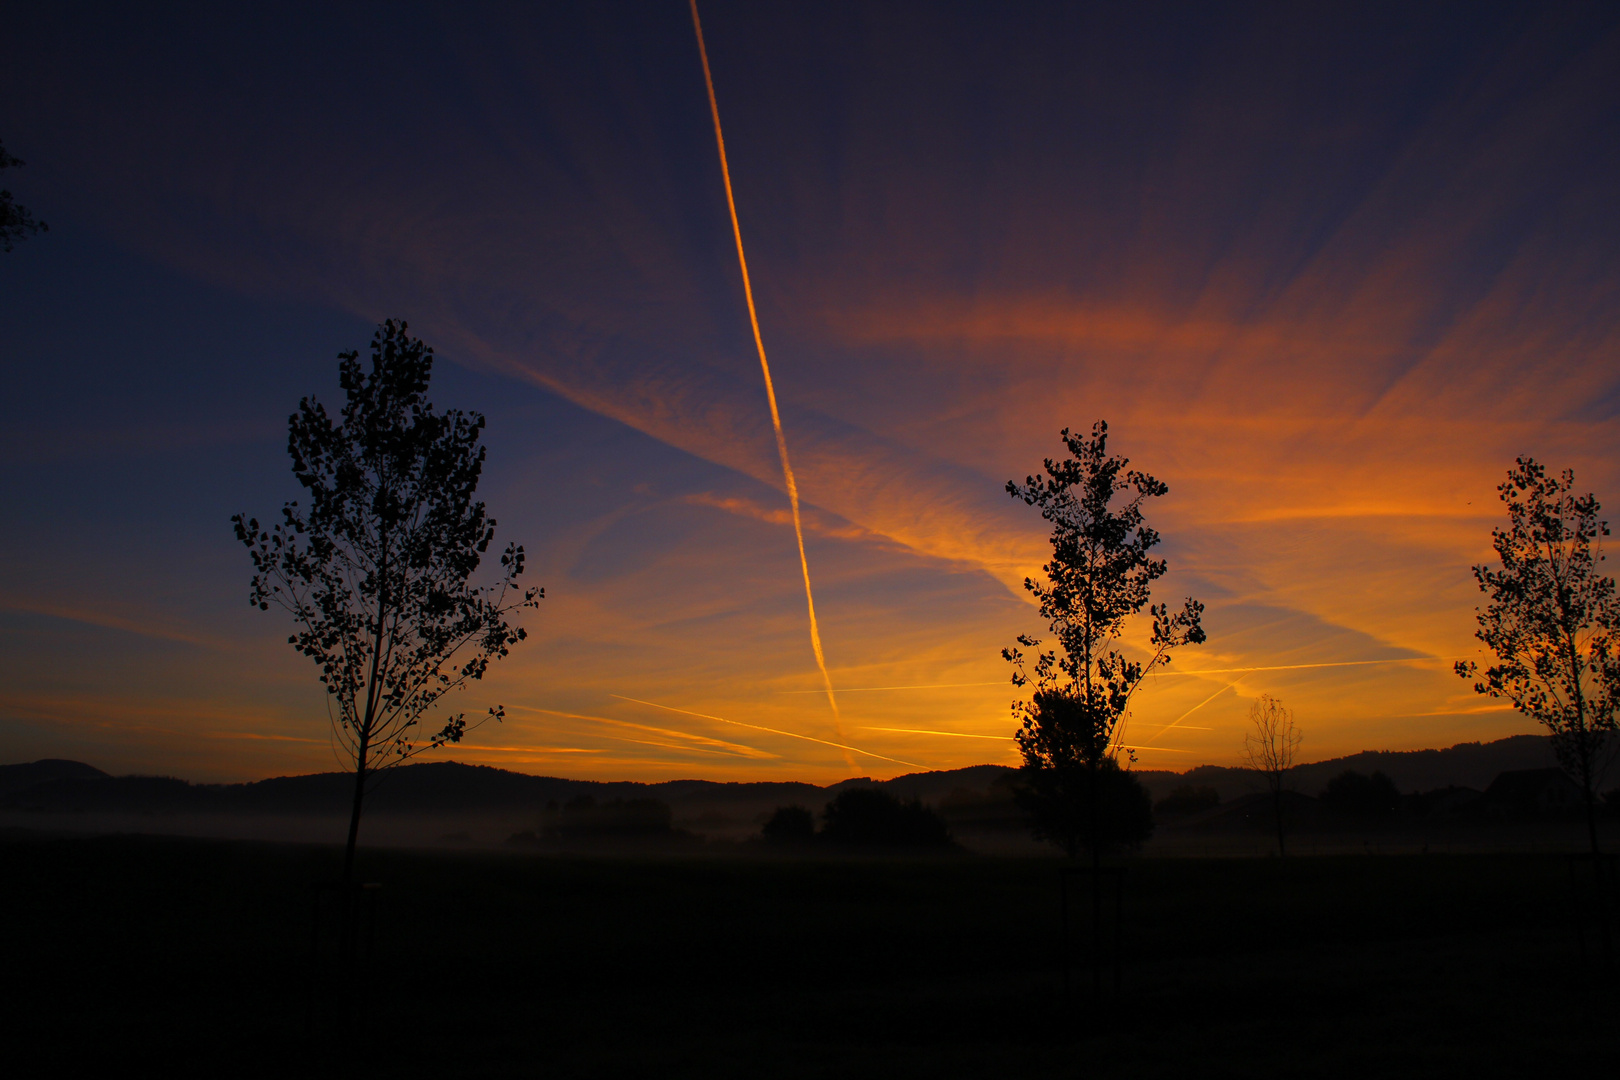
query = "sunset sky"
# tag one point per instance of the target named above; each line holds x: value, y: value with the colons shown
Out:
x: 1324, y: 269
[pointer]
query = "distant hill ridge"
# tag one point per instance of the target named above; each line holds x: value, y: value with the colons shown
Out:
x: 1470, y: 765
x: 448, y: 787
x: 16, y: 778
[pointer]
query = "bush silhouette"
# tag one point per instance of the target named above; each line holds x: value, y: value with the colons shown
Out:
x: 1118, y: 815
x: 870, y: 817
x: 790, y: 825
x: 1358, y: 797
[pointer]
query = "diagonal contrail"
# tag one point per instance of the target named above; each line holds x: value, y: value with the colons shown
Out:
x: 918, y: 686
x: 1301, y: 667
x: 1183, y: 716
x: 770, y: 388
x: 773, y: 731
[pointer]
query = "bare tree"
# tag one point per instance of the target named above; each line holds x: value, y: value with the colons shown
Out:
x: 1271, y: 749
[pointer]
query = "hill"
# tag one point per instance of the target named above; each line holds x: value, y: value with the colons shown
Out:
x: 19, y: 778
x: 1470, y: 765
x: 452, y: 787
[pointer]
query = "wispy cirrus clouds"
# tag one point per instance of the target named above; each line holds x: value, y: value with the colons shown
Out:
x: 1325, y: 274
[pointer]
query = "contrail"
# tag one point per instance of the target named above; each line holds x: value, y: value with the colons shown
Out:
x: 920, y: 686
x: 953, y: 734
x: 770, y: 388
x: 773, y: 731
x: 731, y: 748
x: 1299, y: 667
x: 1183, y: 716
x: 1166, y: 749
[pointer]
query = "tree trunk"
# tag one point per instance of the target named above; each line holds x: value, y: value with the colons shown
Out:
x: 369, y: 719
x: 1583, y: 734
x: 348, y: 895
x: 1591, y: 804
x: 1277, y: 805
x: 1096, y: 881
x: 354, y: 814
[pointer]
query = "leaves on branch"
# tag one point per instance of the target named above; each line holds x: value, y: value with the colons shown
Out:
x: 1100, y: 575
x: 1551, y: 617
x: 16, y: 221
x: 375, y: 569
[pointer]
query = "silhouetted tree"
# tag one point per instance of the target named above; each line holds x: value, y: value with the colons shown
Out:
x: 1270, y: 750
x: 375, y: 571
x: 790, y: 825
x: 1100, y: 807
x: 1552, y: 622
x: 1357, y: 797
x: 871, y: 817
x: 1100, y: 575
x: 16, y: 222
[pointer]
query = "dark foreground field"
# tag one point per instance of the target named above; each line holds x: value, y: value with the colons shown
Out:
x: 150, y: 955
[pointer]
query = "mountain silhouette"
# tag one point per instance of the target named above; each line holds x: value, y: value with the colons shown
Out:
x: 446, y: 790
x: 1467, y: 765
x: 18, y: 778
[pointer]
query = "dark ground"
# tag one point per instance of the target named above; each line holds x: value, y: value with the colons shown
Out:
x: 148, y: 955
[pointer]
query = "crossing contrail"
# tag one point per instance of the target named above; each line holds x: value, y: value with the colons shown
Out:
x: 770, y: 388
x: 1183, y: 716
x: 1301, y: 667
x: 918, y: 686
x: 773, y: 731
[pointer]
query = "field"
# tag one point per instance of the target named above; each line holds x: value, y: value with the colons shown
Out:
x: 157, y: 954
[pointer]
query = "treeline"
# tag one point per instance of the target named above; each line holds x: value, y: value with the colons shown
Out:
x: 862, y: 817
x: 1356, y: 798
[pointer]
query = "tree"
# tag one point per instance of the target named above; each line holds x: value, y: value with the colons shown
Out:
x: 1270, y: 750
x: 872, y: 818
x: 15, y: 220
x: 375, y: 571
x: 1100, y: 575
x: 1096, y: 807
x: 790, y: 825
x: 1551, y: 621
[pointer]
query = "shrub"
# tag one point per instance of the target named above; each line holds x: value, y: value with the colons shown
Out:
x: 1357, y: 797
x: 1066, y: 811
x: 871, y: 817
x: 790, y: 825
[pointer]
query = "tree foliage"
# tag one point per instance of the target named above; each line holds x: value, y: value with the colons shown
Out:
x: 1552, y: 619
x: 1100, y: 575
x: 1358, y: 797
x: 872, y: 818
x: 790, y: 825
x: 1100, y: 808
x: 16, y: 222
x: 375, y: 568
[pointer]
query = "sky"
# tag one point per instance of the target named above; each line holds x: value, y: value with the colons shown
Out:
x: 1325, y: 270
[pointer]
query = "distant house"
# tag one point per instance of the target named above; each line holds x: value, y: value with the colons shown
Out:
x: 1534, y: 792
